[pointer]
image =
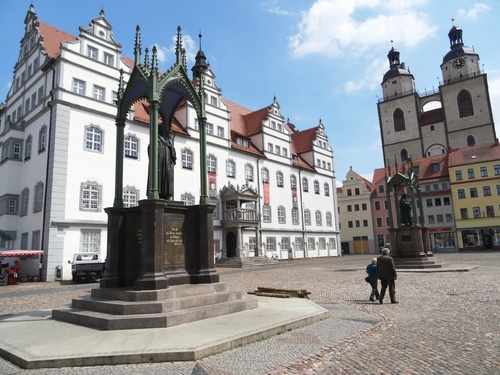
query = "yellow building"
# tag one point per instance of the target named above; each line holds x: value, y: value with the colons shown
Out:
x: 475, y: 185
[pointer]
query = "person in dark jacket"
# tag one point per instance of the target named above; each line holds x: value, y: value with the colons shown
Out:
x: 371, y: 270
x: 386, y: 273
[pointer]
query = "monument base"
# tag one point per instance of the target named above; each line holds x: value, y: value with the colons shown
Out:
x: 410, y: 248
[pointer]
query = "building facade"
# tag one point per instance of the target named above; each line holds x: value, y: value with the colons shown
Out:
x: 475, y: 186
x: 273, y: 185
x: 355, y: 213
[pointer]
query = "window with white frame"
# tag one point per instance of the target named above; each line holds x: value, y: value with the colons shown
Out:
x: 307, y: 217
x: 285, y: 243
x: 332, y: 243
x: 311, y: 243
x: 279, y: 179
x: 130, y: 196
x: 277, y: 149
x: 16, y: 154
x: 230, y: 168
x: 220, y: 132
x: 187, y: 158
x: 42, y: 137
x: 40, y: 94
x: 305, y: 184
x: 319, y: 220
x: 327, y: 189
x: 90, y: 240
x: 251, y: 243
x: 38, y: 197
x: 25, y: 197
x: 131, y: 146
x: 281, y: 215
x: 322, y: 243
x: 329, y: 219
x: 79, y: 86
x: 114, y: 97
x: 295, y: 216
x: 270, y: 147
x: 265, y: 175
x: 33, y: 100
x: 249, y: 172
x: 92, y: 52
x: 188, y: 199
x: 242, y: 142
x: 270, y: 244
x: 108, y: 59
x: 213, y: 101
x: 90, y: 196
x: 284, y: 152
x: 35, y: 240
x: 299, y: 243
x: 210, y: 128
x: 211, y: 163
x: 316, y: 187
x: 93, y: 138
x: 28, y: 147
x: 293, y: 181
x: 266, y: 213
x: 99, y: 93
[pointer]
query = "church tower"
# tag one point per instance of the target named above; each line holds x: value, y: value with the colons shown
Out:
x: 465, y: 96
x: 398, y: 112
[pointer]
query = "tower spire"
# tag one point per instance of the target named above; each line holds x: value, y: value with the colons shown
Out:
x: 200, y: 62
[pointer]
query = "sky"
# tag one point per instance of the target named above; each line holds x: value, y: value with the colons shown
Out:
x: 321, y: 59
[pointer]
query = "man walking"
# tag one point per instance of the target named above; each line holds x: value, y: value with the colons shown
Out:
x: 386, y: 273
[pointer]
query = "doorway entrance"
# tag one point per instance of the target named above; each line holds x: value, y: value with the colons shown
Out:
x: 231, y: 244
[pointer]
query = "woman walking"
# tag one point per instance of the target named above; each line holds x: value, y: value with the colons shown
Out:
x: 371, y: 270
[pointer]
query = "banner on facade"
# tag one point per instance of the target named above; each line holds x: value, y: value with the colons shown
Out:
x: 212, y: 187
x: 294, y: 198
x: 267, y: 196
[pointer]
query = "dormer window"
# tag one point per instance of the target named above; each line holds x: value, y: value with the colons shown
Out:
x: 242, y: 142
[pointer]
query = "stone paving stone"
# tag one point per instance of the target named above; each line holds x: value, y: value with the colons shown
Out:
x: 445, y: 323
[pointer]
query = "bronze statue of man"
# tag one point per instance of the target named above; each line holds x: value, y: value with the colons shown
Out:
x: 166, y: 161
x: 405, y: 210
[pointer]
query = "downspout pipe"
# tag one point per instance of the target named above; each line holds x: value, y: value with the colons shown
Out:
x: 49, y: 143
x: 302, y: 215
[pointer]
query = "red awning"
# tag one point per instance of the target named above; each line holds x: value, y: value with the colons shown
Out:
x: 19, y: 253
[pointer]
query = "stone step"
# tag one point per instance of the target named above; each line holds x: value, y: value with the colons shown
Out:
x: 243, y: 262
x: 119, y: 307
x: 105, y: 321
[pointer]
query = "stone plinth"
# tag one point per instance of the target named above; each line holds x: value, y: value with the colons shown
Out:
x: 409, y: 242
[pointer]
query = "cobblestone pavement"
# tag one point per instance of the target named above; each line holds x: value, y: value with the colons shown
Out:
x: 445, y: 323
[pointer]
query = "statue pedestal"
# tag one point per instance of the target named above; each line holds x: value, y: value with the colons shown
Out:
x: 159, y: 244
x: 409, y: 242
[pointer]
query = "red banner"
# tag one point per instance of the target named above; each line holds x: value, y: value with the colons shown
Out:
x: 212, y: 184
x: 267, y: 197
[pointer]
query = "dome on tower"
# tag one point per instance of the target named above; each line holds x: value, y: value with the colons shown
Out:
x: 396, y: 68
x: 457, y: 47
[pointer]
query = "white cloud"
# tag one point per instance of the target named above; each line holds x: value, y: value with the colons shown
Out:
x: 371, y: 78
x: 274, y: 7
x: 353, y: 28
x: 166, y: 54
x: 473, y: 11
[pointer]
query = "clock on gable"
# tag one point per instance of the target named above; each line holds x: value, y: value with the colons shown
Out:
x: 458, y: 63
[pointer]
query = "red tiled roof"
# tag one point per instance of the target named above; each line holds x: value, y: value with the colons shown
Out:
x: 129, y: 62
x: 141, y: 114
x: 251, y: 148
x: 303, y: 140
x: 475, y: 154
x: 237, y: 117
x: 431, y: 117
x: 52, y: 39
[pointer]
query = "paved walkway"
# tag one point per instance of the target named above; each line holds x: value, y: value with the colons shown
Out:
x: 445, y: 323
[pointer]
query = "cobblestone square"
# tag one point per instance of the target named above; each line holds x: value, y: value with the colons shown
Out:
x: 445, y: 323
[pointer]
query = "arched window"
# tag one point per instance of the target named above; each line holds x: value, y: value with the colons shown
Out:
x: 28, y: 147
x: 93, y: 138
x: 265, y: 175
x: 316, y: 187
x: 249, y: 172
x: 305, y: 184
x: 187, y: 158
x: 230, y: 168
x: 404, y: 154
x: 327, y: 189
x: 399, y: 120
x: 279, y: 179
x: 307, y: 217
x: 464, y: 101
x: 211, y: 163
x: 131, y: 146
x: 471, y: 141
x: 130, y: 196
x: 293, y: 181
x: 90, y: 196
x: 188, y: 199
x: 281, y: 215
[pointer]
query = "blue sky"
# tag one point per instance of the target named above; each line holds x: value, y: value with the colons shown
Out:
x: 322, y: 59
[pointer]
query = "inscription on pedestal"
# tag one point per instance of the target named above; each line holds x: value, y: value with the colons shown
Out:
x: 173, y: 247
